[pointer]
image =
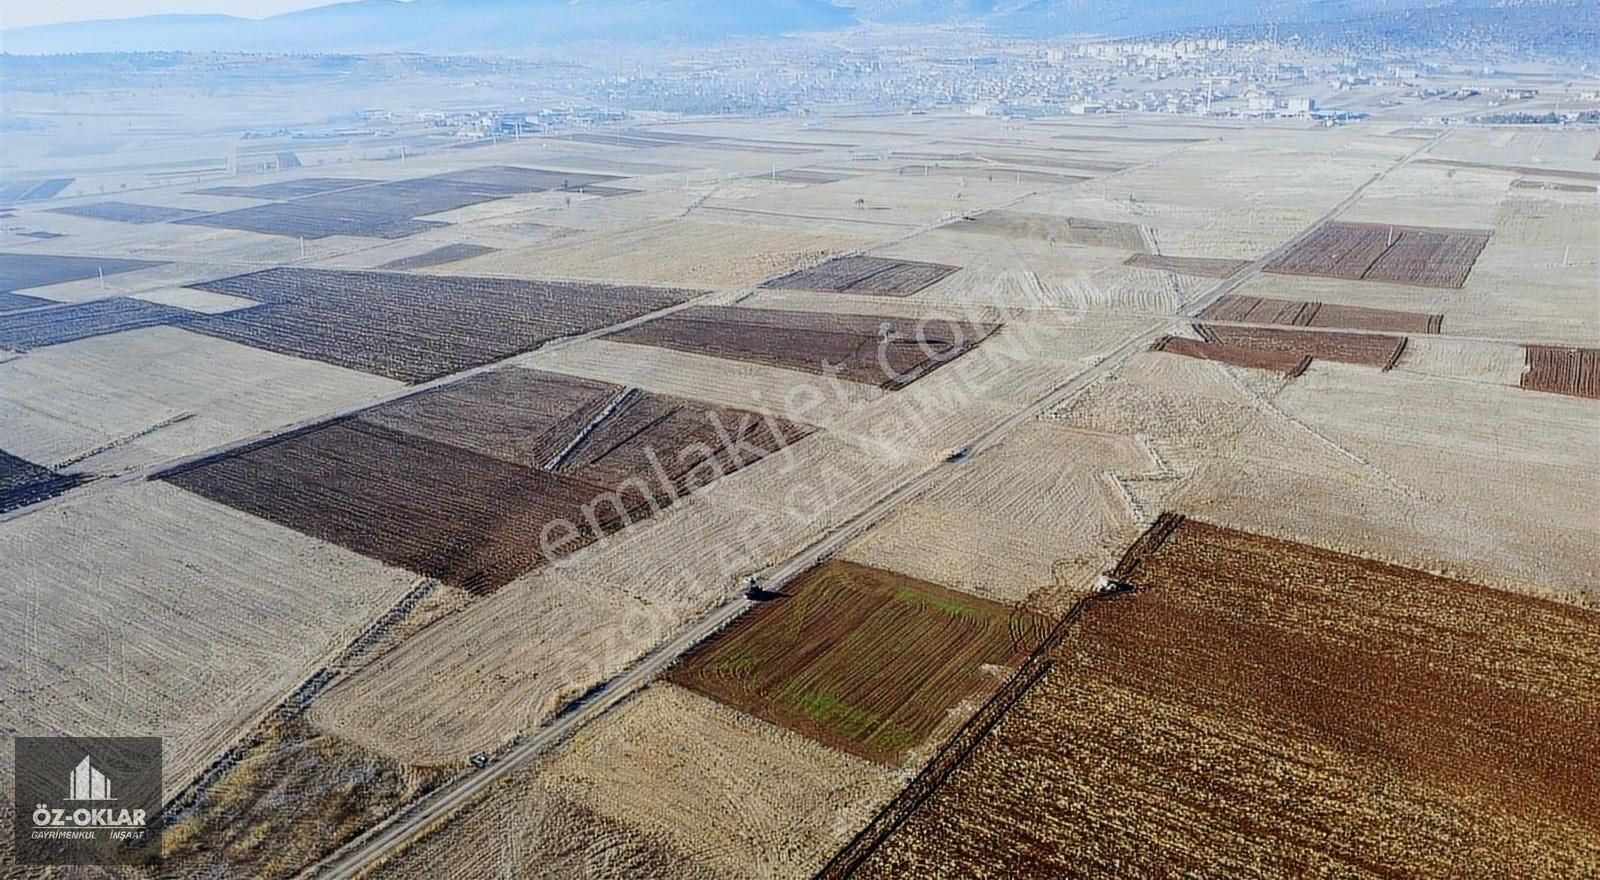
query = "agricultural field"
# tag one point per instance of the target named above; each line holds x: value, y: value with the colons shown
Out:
x: 824, y: 658
x: 38, y: 328
x: 857, y: 347
x: 1059, y: 230
x: 1289, y: 352
x: 863, y: 274
x: 23, y: 483
x: 692, y: 252
x: 25, y: 271
x: 126, y: 212
x: 1574, y: 371
x: 1220, y: 716
x: 450, y: 253
x: 476, y: 483
x: 287, y: 189
x: 1300, y: 313
x: 415, y: 328
x: 1422, y: 256
x: 1205, y: 267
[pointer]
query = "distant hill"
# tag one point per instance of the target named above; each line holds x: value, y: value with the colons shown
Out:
x: 436, y: 26
x: 464, y: 26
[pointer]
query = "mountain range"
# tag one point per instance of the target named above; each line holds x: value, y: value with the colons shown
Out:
x: 444, y: 26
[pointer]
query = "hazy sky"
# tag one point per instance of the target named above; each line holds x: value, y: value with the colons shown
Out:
x: 21, y: 13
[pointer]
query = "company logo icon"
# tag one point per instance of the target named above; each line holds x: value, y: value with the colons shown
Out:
x: 88, y: 784
x: 87, y: 800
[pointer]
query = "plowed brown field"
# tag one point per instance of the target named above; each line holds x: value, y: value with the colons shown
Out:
x: 1417, y: 255
x: 1573, y: 371
x: 1256, y: 707
x: 1303, y: 313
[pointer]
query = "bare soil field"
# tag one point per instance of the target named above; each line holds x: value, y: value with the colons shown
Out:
x: 1424, y: 256
x: 681, y: 251
x: 437, y: 484
x: 1205, y: 267
x: 415, y: 328
x: 1371, y: 349
x: 1290, y: 363
x: 284, y: 190
x: 1573, y: 371
x: 24, y: 331
x: 863, y: 274
x: 449, y: 253
x: 113, y: 403
x: 1304, y: 313
x: 147, y: 561
x: 389, y: 209
x: 854, y: 345
x: 732, y: 792
x: 1063, y: 230
x: 1251, y: 692
x: 11, y: 302
x: 1526, y: 183
x: 861, y: 659
x: 23, y: 483
x: 127, y: 212
x: 1471, y: 360
x: 24, y: 271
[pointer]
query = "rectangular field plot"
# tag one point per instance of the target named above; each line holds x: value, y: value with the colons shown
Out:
x: 23, y: 483
x: 15, y: 191
x: 1049, y: 227
x: 1570, y: 371
x: 22, y: 271
x: 802, y: 175
x: 478, y: 482
x: 1369, y: 349
x: 449, y: 253
x: 1301, y: 313
x: 1248, y: 695
x: 41, y: 327
x: 127, y: 212
x: 414, y: 327
x: 862, y: 274
x: 865, y: 660
x: 1204, y: 267
x: 390, y: 209
x: 287, y: 189
x: 1416, y: 255
x: 860, y: 348
x: 1289, y: 363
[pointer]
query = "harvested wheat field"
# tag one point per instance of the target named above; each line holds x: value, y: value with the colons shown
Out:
x: 112, y: 403
x: 862, y: 659
x: 1261, y: 708
x: 1062, y: 230
x: 1573, y: 371
x: 1010, y: 530
x: 691, y: 252
x: 872, y: 349
x: 1205, y: 267
x: 149, y: 562
x: 732, y: 792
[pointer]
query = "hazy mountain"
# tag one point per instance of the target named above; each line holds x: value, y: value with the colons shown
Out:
x: 437, y: 26
x: 497, y: 25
